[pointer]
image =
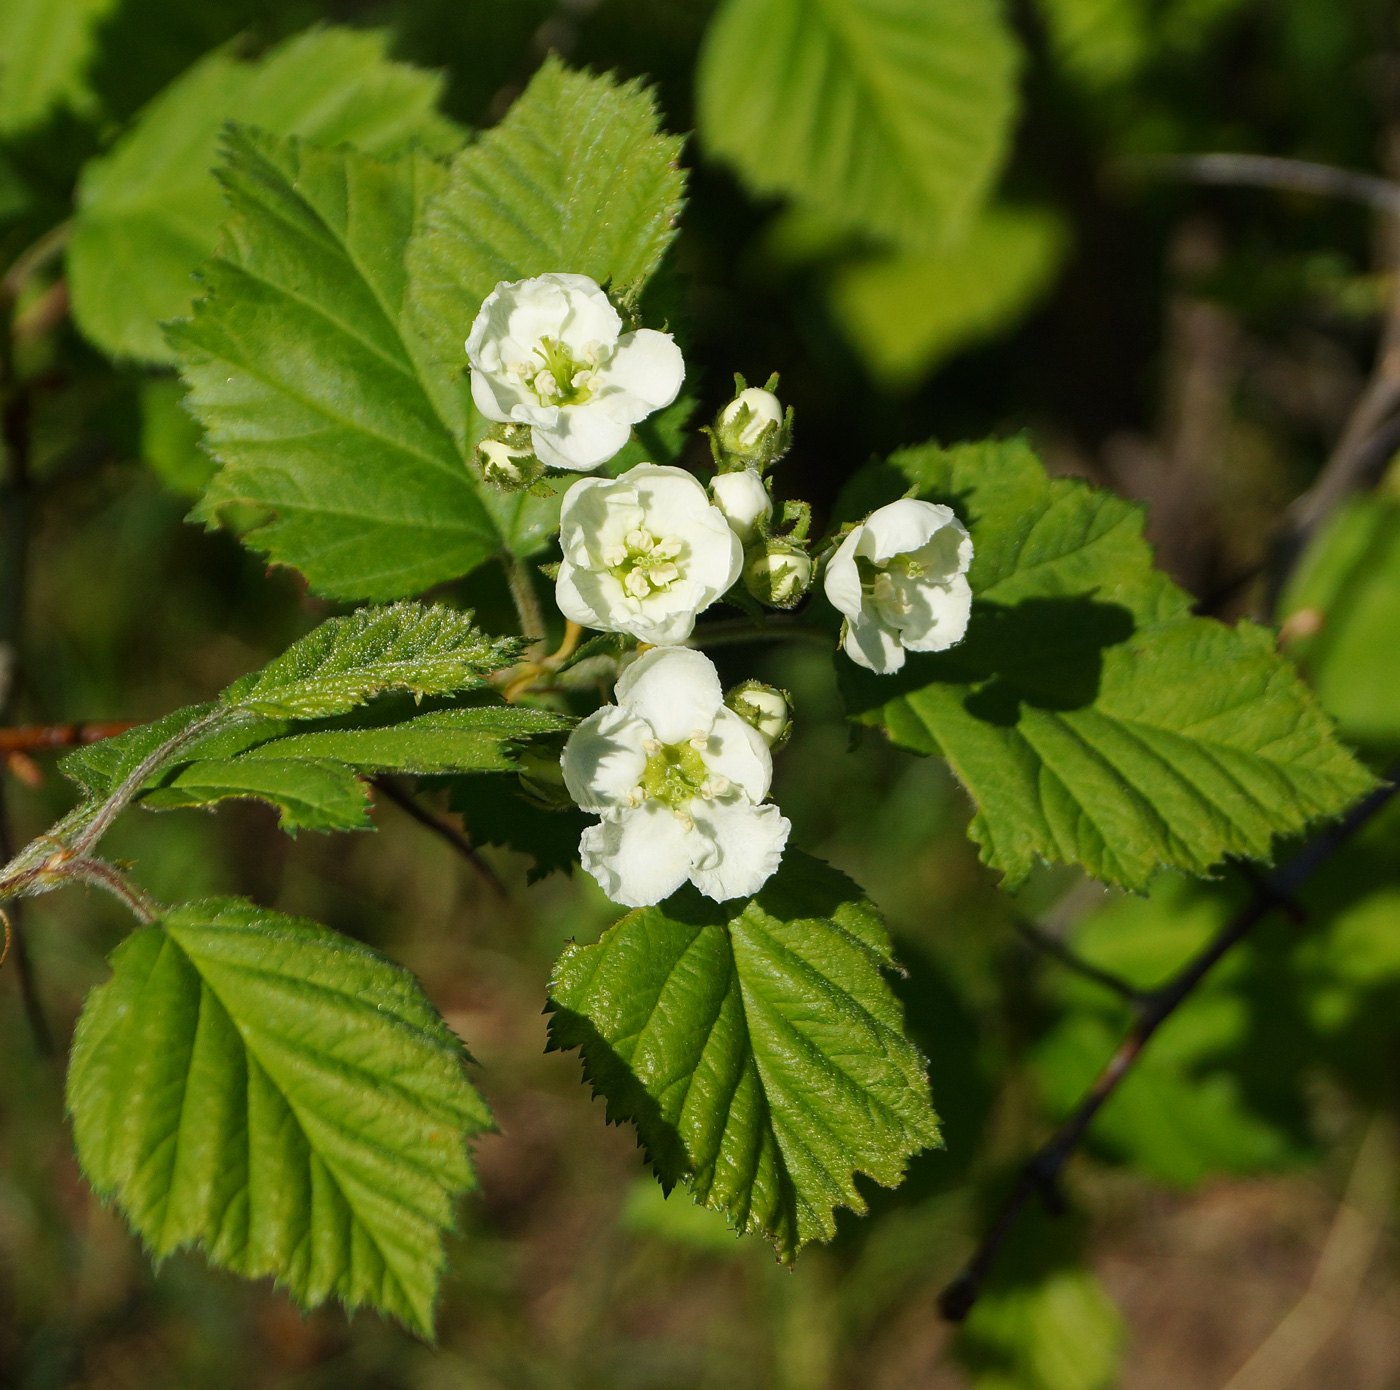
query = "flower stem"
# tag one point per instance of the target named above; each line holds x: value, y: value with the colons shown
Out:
x: 522, y: 592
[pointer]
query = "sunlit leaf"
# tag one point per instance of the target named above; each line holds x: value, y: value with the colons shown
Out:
x: 889, y: 115
x: 310, y: 383
x: 756, y: 1047
x: 907, y: 311
x: 1091, y: 717
x: 281, y: 1096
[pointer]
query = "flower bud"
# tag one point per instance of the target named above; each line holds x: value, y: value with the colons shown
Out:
x: 767, y: 708
x: 777, y: 573
x: 747, y: 416
x: 506, y: 459
x: 751, y: 431
x: 745, y: 502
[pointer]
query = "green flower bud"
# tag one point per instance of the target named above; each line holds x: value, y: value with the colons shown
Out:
x: 752, y: 431
x: 766, y: 707
x: 778, y: 572
x: 506, y: 459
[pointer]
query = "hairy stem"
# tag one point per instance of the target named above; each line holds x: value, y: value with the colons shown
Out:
x: 1041, y: 1173
x: 527, y: 604
x: 778, y: 627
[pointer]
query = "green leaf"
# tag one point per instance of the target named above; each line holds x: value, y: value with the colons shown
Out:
x: 100, y: 767
x: 1092, y: 719
x: 429, y: 650
x: 444, y: 741
x: 1060, y: 1332
x: 310, y: 793
x: 575, y: 178
x: 45, y: 49
x: 1099, y: 42
x: 149, y: 213
x: 890, y: 115
x: 756, y: 1047
x: 908, y: 311
x: 1343, y: 604
x: 170, y: 438
x: 310, y: 383
x: 282, y: 1096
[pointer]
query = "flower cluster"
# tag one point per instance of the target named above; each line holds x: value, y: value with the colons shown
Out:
x: 676, y: 771
x: 678, y: 779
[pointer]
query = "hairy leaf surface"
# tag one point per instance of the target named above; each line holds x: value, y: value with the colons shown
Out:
x: 282, y: 1096
x: 1092, y: 718
x: 149, y: 212
x: 309, y: 793
x: 426, y: 649
x: 309, y: 381
x: 756, y: 1047
x: 889, y: 115
x: 443, y: 741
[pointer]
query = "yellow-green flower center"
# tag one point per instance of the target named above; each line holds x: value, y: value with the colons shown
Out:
x: 676, y: 773
x: 642, y: 564
x: 561, y: 379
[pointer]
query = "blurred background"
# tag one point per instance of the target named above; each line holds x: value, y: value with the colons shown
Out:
x: 1199, y: 348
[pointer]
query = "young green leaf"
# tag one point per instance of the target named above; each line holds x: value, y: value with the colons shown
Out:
x: 282, y: 1096
x: 149, y: 212
x: 429, y: 650
x: 308, y: 379
x: 576, y: 178
x: 45, y: 49
x: 756, y: 1047
x: 100, y: 767
x: 891, y: 116
x: 1091, y: 717
x: 309, y: 793
x: 454, y: 740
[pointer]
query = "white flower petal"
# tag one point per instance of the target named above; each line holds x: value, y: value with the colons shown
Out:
x: 675, y: 690
x: 585, y: 596
x: 738, y: 751
x: 938, y: 618
x: 869, y: 643
x: 582, y: 439
x: 494, y: 398
x: 645, y: 374
x: 744, y: 501
x: 902, y: 527
x: 605, y: 757
x: 842, y: 583
x: 639, y: 856
x: 747, y: 845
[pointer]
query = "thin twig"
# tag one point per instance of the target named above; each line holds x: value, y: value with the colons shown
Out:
x: 409, y: 804
x: 36, y: 738
x: 1072, y: 960
x: 1041, y: 1174
x: 19, y: 949
x: 1268, y: 171
x: 107, y: 876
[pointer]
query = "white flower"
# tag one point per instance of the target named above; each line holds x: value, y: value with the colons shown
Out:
x: 678, y: 780
x: 764, y: 409
x: 643, y: 553
x: 744, y: 501
x: 550, y: 353
x: 900, y: 578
